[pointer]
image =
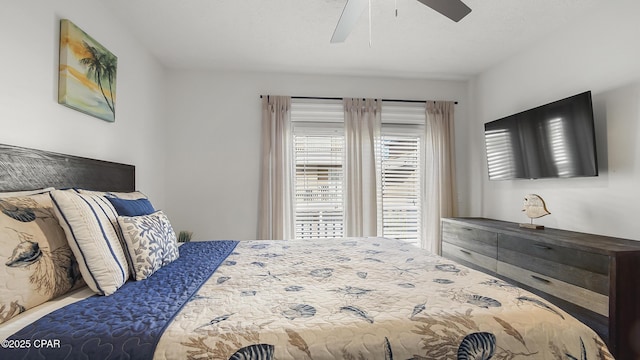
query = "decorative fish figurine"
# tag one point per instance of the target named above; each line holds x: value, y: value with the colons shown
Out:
x: 534, y: 206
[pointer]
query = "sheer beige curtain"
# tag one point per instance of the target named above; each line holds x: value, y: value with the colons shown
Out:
x: 275, y: 218
x: 440, y: 179
x: 362, y: 121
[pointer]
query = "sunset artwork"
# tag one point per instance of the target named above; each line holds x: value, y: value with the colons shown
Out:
x: 87, y: 74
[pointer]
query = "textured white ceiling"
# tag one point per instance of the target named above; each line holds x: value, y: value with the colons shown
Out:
x: 293, y: 35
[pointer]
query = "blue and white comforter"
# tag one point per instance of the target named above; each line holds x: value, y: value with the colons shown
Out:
x: 367, y: 299
x: 358, y: 298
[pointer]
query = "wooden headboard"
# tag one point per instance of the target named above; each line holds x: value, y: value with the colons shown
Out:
x: 29, y: 169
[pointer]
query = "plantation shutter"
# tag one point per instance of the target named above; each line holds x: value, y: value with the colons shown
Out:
x: 319, y: 156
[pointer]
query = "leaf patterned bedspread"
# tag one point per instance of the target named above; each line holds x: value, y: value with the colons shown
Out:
x: 366, y: 298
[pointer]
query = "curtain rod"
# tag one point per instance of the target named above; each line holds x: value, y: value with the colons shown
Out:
x: 337, y: 98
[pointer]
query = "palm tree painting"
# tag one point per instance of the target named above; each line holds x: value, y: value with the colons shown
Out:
x: 87, y: 74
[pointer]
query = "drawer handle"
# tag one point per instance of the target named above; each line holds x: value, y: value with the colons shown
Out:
x: 541, y: 279
x: 465, y: 252
x: 542, y: 247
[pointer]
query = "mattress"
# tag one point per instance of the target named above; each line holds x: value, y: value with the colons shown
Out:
x: 355, y: 298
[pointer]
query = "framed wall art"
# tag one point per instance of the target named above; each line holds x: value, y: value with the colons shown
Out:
x: 87, y: 73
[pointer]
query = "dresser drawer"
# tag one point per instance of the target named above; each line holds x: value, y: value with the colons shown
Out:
x: 587, y: 299
x: 576, y: 276
x: 469, y: 257
x: 475, y: 240
x: 590, y: 262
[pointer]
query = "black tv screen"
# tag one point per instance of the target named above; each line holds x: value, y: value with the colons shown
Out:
x: 556, y: 140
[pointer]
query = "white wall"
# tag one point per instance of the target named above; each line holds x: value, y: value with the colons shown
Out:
x: 30, y: 115
x: 213, y: 162
x: 599, y: 53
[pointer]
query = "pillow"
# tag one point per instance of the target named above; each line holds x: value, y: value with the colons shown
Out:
x: 37, y: 263
x: 90, y: 223
x: 122, y: 195
x: 126, y: 207
x: 150, y: 241
x: 25, y: 193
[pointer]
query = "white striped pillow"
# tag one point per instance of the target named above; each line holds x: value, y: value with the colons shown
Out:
x: 91, y: 226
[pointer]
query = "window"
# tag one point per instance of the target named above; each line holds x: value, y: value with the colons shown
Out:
x: 318, y: 139
x: 400, y: 214
x: 318, y: 185
x: 318, y: 136
x: 401, y: 158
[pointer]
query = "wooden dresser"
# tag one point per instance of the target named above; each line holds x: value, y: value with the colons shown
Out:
x: 594, y: 278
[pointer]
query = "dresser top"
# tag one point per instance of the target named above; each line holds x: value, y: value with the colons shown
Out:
x: 583, y: 241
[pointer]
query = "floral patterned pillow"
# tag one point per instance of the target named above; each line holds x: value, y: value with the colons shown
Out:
x: 150, y: 242
x: 37, y: 263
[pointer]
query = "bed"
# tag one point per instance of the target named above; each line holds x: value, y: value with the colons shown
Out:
x: 351, y: 298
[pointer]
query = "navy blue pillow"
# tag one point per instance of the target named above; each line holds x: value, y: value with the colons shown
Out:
x: 126, y: 207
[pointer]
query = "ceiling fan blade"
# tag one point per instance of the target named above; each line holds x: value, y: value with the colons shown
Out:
x: 350, y: 14
x: 453, y: 9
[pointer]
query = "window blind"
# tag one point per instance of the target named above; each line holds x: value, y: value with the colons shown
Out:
x: 400, y: 153
x: 318, y: 136
x: 318, y: 186
x: 400, y: 187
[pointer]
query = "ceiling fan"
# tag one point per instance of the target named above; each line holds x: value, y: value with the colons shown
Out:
x: 453, y: 9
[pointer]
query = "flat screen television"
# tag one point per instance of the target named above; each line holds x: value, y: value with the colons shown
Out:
x: 556, y: 140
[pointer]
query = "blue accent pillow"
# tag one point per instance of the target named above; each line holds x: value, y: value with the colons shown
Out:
x: 126, y: 207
